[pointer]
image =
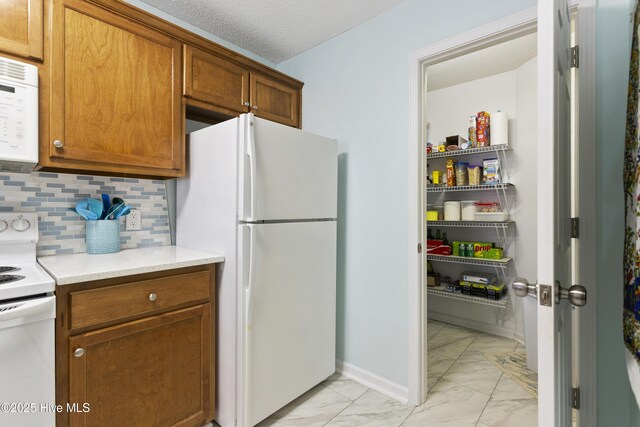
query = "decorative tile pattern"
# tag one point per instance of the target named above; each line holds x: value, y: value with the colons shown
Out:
x: 372, y: 409
x: 51, y: 195
x: 466, y: 389
x: 515, y: 365
x: 314, y: 408
x: 449, y: 404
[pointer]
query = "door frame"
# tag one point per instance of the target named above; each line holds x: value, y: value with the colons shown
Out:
x: 512, y: 26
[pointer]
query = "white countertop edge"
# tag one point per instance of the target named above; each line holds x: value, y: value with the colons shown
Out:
x: 121, y: 264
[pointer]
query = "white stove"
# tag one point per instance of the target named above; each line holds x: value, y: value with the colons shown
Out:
x: 27, y: 330
x: 20, y: 274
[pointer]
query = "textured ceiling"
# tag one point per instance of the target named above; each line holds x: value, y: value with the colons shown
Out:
x: 496, y: 59
x: 274, y: 29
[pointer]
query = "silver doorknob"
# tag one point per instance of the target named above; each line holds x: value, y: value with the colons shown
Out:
x: 246, y: 104
x: 153, y: 297
x: 255, y: 107
x: 576, y: 294
x: 521, y: 287
x: 78, y: 352
x: 58, y: 143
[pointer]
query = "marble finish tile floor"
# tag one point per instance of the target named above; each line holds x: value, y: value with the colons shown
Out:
x: 465, y: 389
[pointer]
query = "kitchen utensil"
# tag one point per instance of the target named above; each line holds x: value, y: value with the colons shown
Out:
x: 106, y: 205
x: 83, y: 211
x: 113, y: 209
x: 126, y: 210
x: 95, y: 206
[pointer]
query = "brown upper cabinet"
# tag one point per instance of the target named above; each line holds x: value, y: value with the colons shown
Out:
x: 275, y: 101
x: 216, y: 84
x: 215, y: 80
x: 21, y: 28
x: 117, y: 83
x: 115, y: 94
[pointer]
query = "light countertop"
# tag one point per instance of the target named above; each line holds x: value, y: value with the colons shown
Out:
x: 76, y: 268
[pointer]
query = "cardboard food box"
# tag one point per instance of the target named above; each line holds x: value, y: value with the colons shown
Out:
x: 491, y: 171
x: 479, y: 277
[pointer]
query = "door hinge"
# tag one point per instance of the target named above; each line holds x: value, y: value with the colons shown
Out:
x: 575, y: 397
x: 575, y: 228
x: 575, y: 57
x: 419, y: 248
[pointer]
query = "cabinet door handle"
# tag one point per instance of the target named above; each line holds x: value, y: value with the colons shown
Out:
x: 153, y: 297
x: 255, y: 107
x: 78, y: 352
x: 58, y: 143
x: 246, y: 104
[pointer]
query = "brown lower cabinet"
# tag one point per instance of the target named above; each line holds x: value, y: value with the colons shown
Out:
x: 151, y: 363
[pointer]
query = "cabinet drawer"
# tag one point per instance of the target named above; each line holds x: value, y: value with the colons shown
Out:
x: 112, y: 303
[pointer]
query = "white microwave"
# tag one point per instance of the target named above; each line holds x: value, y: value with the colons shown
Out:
x: 18, y: 116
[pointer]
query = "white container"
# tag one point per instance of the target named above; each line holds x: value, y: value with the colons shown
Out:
x: 469, y: 210
x: 452, y: 211
x: 491, y: 216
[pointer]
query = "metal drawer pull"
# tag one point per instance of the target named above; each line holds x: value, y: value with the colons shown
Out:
x: 255, y: 107
x: 78, y: 352
x: 246, y: 104
x: 153, y: 297
x: 58, y: 144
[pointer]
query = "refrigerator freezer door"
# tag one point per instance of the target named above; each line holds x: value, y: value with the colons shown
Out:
x: 287, y: 173
x: 289, y: 312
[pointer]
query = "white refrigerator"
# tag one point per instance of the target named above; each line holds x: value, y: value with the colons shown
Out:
x: 264, y: 195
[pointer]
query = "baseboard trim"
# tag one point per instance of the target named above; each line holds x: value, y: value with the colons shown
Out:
x: 490, y: 328
x: 373, y: 381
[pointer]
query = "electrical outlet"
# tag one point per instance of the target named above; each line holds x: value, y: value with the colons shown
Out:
x: 133, y: 220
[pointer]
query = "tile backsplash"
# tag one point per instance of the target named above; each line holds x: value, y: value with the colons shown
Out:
x: 62, y: 231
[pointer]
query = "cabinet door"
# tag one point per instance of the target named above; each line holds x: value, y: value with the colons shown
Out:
x: 215, y: 80
x: 275, y: 101
x: 155, y: 371
x: 115, y: 101
x: 21, y: 27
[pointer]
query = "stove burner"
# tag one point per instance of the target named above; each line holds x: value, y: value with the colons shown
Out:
x: 8, y: 278
x: 6, y: 269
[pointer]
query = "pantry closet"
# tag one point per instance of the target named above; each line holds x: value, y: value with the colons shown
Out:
x: 501, y: 244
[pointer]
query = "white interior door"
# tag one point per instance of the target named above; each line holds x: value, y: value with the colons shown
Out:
x: 554, y: 238
x: 290, y: 312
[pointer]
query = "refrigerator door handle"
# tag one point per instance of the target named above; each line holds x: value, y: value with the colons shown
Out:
x: 251, y: 152
x: 247, y: 327
x: 249, y: 285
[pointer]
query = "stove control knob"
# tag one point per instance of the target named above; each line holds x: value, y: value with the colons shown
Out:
x: 20, y: 224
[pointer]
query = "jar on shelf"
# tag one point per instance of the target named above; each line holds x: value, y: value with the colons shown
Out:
x: 475, y: 174
x: 452, y: 210
x: 461, y: 173
x: 469, y: 210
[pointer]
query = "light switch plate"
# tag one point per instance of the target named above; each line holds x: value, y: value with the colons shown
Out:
x: 133, y: 220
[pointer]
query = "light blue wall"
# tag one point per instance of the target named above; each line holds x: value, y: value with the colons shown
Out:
x: 356, y: 90
x: 616, y: 406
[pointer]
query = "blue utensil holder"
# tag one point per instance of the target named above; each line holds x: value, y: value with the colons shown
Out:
x: 103, y: 236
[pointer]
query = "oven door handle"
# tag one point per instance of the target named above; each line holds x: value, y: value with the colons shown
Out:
x: 22, y: 309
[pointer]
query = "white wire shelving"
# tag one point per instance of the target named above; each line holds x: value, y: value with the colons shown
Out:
x: 468, y: 151
x: 471, y: 224
x: 440, y: 292
x: 482, y: 187
x: 498, y: 263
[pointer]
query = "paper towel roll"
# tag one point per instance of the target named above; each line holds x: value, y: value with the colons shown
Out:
x: 499, y: 128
